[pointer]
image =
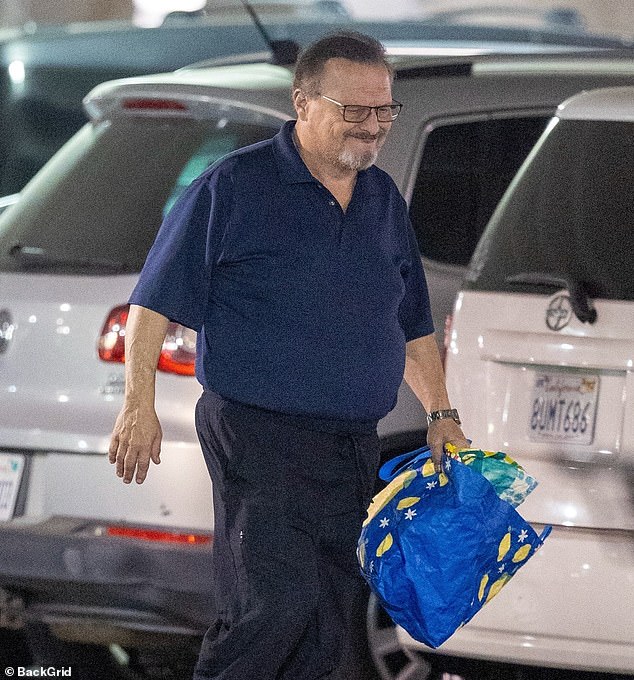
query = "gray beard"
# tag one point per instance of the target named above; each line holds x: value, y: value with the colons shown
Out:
x: 357, y: 162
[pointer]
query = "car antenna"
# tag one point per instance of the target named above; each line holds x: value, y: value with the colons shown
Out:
x: 285, y: 52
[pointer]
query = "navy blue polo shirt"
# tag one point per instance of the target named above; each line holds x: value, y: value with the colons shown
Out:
x: 299, y: 306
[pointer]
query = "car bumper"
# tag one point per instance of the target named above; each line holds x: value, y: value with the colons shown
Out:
x: 71, y: 574
x: 569, y: 607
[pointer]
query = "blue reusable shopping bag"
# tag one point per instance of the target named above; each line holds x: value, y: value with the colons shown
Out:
x: 436, y: 547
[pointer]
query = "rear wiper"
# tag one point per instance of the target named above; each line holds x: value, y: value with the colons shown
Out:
x: 37, y: 258
x: 579, y: 298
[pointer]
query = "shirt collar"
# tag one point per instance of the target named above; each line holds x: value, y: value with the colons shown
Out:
x: 293, y: 170
x: 290, y: 166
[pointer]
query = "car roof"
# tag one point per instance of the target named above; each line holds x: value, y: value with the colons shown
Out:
x: 242, y: 81
x: 607, y: 103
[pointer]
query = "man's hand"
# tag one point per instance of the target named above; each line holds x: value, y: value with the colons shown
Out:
x: 441, y: 432
x: 136, y: 436
x: 136, y: 440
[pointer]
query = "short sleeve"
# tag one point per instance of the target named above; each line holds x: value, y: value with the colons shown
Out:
x: 415, y: 315
x: 176, y: 277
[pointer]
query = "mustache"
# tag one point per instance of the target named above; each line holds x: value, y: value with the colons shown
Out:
x: 366, y: 135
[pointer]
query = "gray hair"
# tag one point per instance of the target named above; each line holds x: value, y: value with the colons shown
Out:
x: 351, y: 45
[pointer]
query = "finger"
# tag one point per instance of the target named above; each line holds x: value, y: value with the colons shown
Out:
x: 129, y: 464
x: 436, y: 456
x: 122, y: 451
x: 142, y: 466
x: 460, y: 444
x: 155, y: 451
x: 112, y: 449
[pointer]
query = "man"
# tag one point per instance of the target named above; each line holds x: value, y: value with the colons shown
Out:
x: 295, y: 261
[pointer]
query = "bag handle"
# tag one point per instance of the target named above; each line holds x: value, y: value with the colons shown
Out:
x: 545, y: 533
x: 393, y: 467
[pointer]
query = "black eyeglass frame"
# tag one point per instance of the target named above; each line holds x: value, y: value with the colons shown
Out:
x: 394, y: 110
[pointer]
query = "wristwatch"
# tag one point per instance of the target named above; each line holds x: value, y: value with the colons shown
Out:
x: 444, y: 413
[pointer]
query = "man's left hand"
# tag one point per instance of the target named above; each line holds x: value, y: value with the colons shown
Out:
x: 441, y: 432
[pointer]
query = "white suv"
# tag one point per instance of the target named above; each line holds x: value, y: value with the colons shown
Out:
x: 541, y: 364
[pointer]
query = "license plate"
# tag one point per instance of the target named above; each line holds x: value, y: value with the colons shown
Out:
x: 563, y: 407
x: 11, y: 469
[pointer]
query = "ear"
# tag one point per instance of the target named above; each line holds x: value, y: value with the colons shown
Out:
x: 300, y: 100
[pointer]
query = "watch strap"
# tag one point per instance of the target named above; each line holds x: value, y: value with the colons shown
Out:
x: 442, y: 414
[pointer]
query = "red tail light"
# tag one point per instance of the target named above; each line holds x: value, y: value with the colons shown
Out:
x: 157, y: 536
x: 179, y: 349
x: 111, y: 345
x: 148, y: 104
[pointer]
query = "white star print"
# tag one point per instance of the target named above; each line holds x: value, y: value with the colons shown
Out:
x: 502, y: 568
x: 523, y: 535
x: 410, y: 514
x: 447, y: 464
x: 431, y: 485
x: 371, y: 567
x: 384, y: 522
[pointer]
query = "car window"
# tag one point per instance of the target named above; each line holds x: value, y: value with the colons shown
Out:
x: 212, y: 149
x: 464, y: 171
x: 97, y: 206
x: 569, y: 215
x: 40, y: 114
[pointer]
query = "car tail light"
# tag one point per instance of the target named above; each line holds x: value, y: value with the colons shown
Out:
x: 149, y: 104
x: 178, y: 354
x: 157, y: 535
x: 111, y: 345
x: 179, y: 350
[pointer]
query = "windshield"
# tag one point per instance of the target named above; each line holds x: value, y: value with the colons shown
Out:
x: 96, y: 207
x: 569, y: 215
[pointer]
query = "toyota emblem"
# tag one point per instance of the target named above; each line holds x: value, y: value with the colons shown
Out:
x: 558, y: 313
x: 6, y: 330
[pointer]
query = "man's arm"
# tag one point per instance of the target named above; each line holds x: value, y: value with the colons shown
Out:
x: 425, y: 375
x: 136, y: 437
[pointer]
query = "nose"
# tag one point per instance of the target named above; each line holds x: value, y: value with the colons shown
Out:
x: 371, y: 123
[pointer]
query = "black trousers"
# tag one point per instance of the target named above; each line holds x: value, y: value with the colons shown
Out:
x: 290, y: 494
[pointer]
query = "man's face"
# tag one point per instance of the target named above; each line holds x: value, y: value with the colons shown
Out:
x: 346, y: 146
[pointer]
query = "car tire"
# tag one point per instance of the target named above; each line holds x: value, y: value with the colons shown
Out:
x: 390, y: 659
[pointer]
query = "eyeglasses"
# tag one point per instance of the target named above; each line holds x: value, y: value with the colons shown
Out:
x: 353, y: 113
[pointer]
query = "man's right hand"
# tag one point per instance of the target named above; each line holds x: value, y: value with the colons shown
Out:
x: 136, y: 436
x: 136, y: 440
